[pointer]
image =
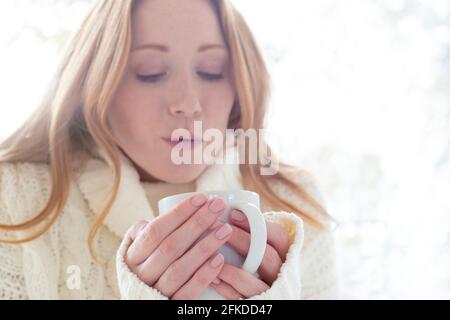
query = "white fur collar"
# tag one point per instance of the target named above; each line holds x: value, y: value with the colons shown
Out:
x: 131, y: 204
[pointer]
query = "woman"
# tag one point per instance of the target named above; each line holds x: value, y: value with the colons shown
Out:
x: 79, y: 181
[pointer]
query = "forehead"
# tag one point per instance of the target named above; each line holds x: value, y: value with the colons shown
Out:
x: 175, y: 22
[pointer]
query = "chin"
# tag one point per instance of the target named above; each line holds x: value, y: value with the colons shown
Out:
x: 183, y: 173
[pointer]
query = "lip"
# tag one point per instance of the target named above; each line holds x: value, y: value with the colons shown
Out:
x: 188, y: 142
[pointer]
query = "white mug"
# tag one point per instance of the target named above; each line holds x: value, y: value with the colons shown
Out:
x: 248, y: 203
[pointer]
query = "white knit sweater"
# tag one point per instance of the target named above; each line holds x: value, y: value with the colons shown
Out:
x: 46, y: 267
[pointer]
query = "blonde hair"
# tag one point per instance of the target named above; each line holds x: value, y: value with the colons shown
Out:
x: 71, y: 119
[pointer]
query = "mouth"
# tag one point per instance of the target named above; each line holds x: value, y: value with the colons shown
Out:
x: 184, y: 142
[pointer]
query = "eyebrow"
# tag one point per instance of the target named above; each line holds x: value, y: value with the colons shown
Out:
x: 164, y: 48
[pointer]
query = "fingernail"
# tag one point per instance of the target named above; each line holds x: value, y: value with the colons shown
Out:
x: 237, y: 215
x: 199, y: 199
x: 216, y: 281
x: 223, y: 231
x: 216, y: 224
x: 217, y: 205
x: 217, y: 261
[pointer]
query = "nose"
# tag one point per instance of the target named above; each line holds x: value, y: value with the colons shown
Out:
x: 187, y: 105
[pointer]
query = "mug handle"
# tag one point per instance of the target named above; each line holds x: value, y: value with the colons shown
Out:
x: 258, y: 240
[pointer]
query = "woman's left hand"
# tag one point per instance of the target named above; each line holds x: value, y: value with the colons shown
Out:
x: 236, y: 283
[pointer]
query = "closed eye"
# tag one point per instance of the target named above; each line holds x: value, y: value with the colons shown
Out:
x: 151, y: 78
x: 210, y: 76
x: 159, y: 76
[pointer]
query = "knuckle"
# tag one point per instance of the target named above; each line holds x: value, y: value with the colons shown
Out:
x: 147, y: 274
x: 204, y: 247
x: 131, y: 257
x: 202, y: 278
x: 168, y: 248
x: 175, y: 273
x: 178, y: 210
x: 138, y: 226
x: 150, y: 233
x: 201, y: 221
x: 182, y: 209
x: 144, y: 276
x: 140, y: 222
x: 128, y: 261
x: 237, y: 275
x: 233, y: 273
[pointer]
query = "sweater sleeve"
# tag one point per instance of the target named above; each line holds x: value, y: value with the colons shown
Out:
x: 319, y: 272
x: 12, y: 280
x: 287, y: 286
x: 310, y: 269
x: 319, y: 268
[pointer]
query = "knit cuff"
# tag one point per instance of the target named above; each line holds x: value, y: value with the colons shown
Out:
x: 287, y: 286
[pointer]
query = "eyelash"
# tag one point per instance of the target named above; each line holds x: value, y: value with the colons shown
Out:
x: 156, y: 77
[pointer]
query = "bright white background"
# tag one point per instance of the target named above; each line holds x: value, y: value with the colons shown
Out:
x: 361, y: 99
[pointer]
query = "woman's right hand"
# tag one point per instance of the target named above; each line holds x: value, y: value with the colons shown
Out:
x: 164, y: 254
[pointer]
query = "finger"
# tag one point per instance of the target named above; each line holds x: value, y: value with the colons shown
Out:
x: 155, y: 232
x: 271, y: 262
x: 176, y: 244
x: 137, y: 228
x: 215, y: 225
x: 277, y: 236
x: 226, y: 291
x: 201, y: 279
x: 242, y: 281
x: 181, y: 270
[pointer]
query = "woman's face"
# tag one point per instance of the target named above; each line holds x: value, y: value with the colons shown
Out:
x: 178, y: 72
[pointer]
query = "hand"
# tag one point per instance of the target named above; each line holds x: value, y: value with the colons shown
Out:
x: 237, y: 283
x: 170, y: 253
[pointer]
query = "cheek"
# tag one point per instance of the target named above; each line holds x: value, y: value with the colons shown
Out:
x: 218, y: 103
x: 132, y: 113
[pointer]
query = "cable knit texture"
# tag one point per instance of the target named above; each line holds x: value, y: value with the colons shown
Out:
x: 45, y: 268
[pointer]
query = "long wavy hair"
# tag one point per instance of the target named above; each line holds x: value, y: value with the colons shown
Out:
x: 71, y: 119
